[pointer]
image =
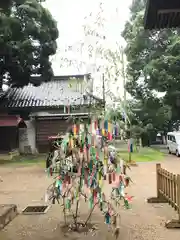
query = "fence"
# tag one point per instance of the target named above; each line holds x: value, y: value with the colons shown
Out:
x: 168, y: 190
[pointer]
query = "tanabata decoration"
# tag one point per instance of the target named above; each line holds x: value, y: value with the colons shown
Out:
x: 83, y: 173
x: 130, y: 145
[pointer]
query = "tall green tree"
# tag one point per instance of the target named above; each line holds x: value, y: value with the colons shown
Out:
x: 28, y: 35
x: 153, y: 67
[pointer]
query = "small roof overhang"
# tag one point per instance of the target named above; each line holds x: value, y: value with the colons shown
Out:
x: 12, y: 121
x: 62, y: 116
x: 162, y: 14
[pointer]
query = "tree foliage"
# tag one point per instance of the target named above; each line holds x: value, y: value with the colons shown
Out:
x: 28, y: 36
x: 153, y: 68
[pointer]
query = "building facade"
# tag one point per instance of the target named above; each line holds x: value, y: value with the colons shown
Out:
x: 45, y: 110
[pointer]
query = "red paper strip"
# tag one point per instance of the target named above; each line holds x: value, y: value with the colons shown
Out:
x: 110, y: 178
x: 114, y: 176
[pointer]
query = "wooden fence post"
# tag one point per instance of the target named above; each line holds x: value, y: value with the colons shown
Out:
x: 158, y: 167
x: 178, y: 195
x: 168, y: 190
x: 159, y: 198
x: 176, y: 223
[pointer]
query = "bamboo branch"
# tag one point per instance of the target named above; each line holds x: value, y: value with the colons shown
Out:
x: 79, y: 189
x: 64, y: 211
x: 89, y: 216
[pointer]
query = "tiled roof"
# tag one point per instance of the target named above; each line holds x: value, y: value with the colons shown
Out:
x: 48, y: 94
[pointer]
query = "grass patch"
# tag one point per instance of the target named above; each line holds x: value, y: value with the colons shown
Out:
x: 26, y: 160
x: 144, y: 155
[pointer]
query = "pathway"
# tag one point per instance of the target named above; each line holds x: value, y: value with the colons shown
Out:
x: 143, y: 222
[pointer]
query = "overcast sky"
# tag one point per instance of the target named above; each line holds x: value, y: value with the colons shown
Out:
x: 70, y: 15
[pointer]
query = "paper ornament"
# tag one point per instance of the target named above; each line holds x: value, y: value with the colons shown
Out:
x: 107, y: 218
x: 94, y: 162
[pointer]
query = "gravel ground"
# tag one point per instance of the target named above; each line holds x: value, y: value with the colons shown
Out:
x: 26, y: 185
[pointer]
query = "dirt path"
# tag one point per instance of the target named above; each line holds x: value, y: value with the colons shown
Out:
x: 24, y: 186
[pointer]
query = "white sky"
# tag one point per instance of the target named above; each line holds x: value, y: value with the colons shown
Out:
x: 70, y: 15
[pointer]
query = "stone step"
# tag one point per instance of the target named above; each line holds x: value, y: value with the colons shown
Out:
x: 7, y: 213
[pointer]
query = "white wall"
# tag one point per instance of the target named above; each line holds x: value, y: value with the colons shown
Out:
x: 27, y: 138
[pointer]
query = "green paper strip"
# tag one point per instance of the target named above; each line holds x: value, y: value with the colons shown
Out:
x: 68, y: 204
x: 91, y: 202
x: 126, y: 204
x: 58, y: 183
